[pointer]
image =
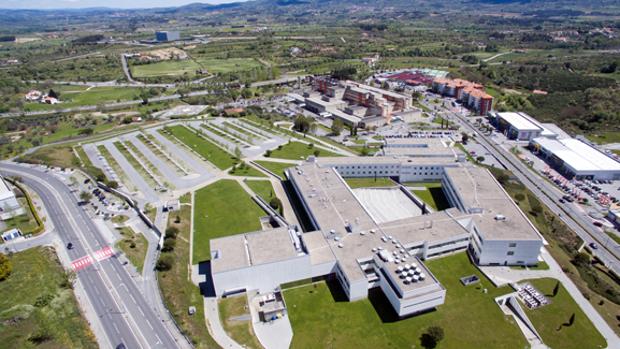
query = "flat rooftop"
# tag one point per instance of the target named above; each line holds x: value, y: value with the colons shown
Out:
x: 244, y: 250
x: 519, y: 121
x: 478, y: 189
x: 578, y: 155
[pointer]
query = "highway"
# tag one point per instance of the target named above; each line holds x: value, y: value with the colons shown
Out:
x: 122, y: 311
x: 608, y: 251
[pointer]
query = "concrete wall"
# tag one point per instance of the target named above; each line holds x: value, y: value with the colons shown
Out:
x: 509, y: 252
x: 264, y: 277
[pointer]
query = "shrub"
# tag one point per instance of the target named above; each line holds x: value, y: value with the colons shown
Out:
x: 165, y: 262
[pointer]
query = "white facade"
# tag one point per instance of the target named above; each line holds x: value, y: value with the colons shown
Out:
x: 8, y: 201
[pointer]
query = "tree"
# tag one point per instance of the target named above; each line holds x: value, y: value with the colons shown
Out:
x: 276, y: 204
x: 53, y: 94
x: 5, y: 267
x: 238, y: 153
x: 519, y: 197
x: 337, y: 127
x: 86, y: 196
x: 169, y: 245
x: 581, y: 259
x: 301, y: 124
x: 432, y: 337
x: 268, y: 153
x: 165, y: 262
x: 112, y: 184
x: 172, y: 232
x: 464, y: 138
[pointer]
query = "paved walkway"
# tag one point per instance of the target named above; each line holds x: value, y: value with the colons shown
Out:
x: 212, y: 318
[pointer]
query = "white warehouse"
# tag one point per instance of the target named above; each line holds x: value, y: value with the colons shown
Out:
x: 575, y: 158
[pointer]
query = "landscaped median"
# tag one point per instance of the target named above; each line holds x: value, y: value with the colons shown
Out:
x: 222, y: 209
x: 208, y: 150
x: 299, y: 151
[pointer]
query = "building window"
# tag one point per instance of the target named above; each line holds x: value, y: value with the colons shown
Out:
x: 510, y: 253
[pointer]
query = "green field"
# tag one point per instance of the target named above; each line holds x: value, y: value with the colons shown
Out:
x: 210, y: 151
x: 275, y: 167
x: 94, y: 96
x: 245, y: 170
x: 298, y: 151
x: 38, y: 308
x: 548, y: 320
x: 231, y: 309
x: 189, y: 67
x: 433, y: 195
x: 134, y: 246
x: 264, y: 189
x: 470, y: 318
x: 378, y: 182
x: 222, y: 208
x: 165, y: 68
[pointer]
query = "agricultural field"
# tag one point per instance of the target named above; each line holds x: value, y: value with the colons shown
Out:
x: 222, y: 208
x: 92, y: 96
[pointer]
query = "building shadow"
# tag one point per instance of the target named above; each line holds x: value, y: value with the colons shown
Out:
x: 384, y: 308
x: 336, y: 290
x: 207, y: 288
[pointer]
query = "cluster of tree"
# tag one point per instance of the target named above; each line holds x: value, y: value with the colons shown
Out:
x: 166, y: 259
x: 88, y: 39
x: 471, y: 59
x: 344, y: 73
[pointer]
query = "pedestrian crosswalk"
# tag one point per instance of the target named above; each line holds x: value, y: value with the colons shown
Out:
x: 99, y: 255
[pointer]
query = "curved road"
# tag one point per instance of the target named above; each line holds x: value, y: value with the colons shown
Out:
x: 122, y: 311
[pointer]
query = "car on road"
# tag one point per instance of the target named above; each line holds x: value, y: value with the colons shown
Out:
x: 69, y: 246
x: 593, y: 245
x: 597, y: 223
x: 561, y: 201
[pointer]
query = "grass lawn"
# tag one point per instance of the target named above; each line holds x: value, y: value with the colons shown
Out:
x: 433, y: 195
x: 605, y: 137
x: 245, y: 171
x: 297, y: 151
x: 275, y: 167
x: 57, y: 156
x: 179, y: 293
x: 94, y: 96
x: 119, y: 219
x: 229, y: 65
x: 241, y: 331
x: 548, y: 320
x: 165, y: 68
x: 210, y: 151
x: 38, y: 307
x: 369, y: 182
x: 469, y: 317
x: 264, y: 189
x: 134, y: 246
x: 222, y: 209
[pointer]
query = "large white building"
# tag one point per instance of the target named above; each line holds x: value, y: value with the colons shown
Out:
x: 347, y: 239
x: 520, y: 126
x: 8, y: 201
x: 575, y: 158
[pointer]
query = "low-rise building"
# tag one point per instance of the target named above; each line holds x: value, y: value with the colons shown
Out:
x: 575, y: 158
x: 8, y: 200
x: 520, y: 126
x: 348, y: 238
x: 169, y: 35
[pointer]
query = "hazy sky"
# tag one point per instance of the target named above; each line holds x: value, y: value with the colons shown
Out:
x: 48, y: 4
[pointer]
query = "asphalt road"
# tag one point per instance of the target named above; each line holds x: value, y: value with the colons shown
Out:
x: 123, y: 313
x: 608, y: 251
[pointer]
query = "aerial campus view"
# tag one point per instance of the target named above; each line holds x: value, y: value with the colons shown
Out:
x: 310, y: 174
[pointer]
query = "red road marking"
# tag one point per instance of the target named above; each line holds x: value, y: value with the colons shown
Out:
x: 81, y: 263
x: 104, y: 253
